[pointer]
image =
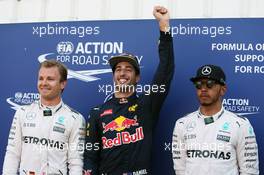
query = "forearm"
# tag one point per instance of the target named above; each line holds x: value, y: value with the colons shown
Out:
x: 164, y: 25
x: 247, y: 150
x: 11, y: 163
x: 165, y: 70
x: 13, y: 150
x: 76, y: 143
x: 92, y: 142
x: 178, y: 150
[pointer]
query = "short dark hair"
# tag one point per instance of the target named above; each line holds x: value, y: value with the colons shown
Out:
x: 61, y: 67
x: 125, y: 57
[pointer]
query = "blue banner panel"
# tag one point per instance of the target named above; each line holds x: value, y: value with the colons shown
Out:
x: 85, y: 47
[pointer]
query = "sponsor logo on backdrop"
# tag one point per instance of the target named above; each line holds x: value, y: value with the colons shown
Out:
x: 241, y: 106
x: 248, y: 57
x: 85, y: 54
x: 88, y: 53
x: 22, y: 98
x: 82, y: 75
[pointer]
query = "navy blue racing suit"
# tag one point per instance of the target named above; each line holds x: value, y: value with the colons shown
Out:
x: 120, y: 132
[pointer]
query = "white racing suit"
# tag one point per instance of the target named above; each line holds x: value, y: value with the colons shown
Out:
x: 224, y: 145
x: 45, y: 141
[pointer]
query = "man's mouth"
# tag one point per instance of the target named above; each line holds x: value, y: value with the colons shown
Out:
x: 45, y: 89
x: 122, y: 80
x: 204, y: 96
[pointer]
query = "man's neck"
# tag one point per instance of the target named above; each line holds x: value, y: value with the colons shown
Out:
x: 211, y: 110
x: 49, y: 102
x: 123, y: 94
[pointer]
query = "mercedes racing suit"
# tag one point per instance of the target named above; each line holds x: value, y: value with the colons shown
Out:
x: 46, y: 141
x: 123, y: 129
x: 226, y: 145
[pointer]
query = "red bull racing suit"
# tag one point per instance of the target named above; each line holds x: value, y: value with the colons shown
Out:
x: 226, y: 144
x: 120, y: 132
x: 45, y: 141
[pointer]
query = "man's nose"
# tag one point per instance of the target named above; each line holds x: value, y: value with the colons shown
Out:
x: 44, y: 81
x: 122, y: 72
x: 204, y: 87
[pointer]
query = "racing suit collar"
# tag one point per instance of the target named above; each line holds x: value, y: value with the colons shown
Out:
x: 124, y: 100
x: 211, y: 119
x: 51, y: 110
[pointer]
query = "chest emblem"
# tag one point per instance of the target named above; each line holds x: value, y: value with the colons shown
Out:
x: 119, y: 124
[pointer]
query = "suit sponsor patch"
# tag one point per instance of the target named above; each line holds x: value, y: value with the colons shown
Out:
x: 58, y: 129
x: 223, y: 138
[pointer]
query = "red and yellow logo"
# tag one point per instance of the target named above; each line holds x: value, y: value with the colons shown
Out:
x: 119, y: 124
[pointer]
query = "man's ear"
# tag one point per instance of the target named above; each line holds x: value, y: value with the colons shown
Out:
x: 223, y: 90
x: 63, y: 84
x: 137, y: 78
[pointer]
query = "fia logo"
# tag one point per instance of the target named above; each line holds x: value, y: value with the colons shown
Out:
x: 65, y: 48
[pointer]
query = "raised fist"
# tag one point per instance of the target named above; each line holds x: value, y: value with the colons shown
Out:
x: 161, y: 13
x: 163, y: 17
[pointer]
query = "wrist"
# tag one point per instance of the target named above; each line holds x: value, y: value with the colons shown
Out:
x: 164, y: 25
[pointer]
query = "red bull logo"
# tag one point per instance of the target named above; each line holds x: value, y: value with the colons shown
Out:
x: 120, y: 124
x: 123, y: 138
